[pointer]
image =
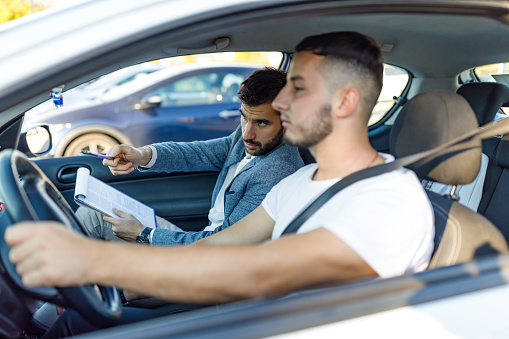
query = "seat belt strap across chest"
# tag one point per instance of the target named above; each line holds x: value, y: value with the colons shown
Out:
x: 450, y: 148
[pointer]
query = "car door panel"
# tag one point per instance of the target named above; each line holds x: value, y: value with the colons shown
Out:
x: 182, y: 198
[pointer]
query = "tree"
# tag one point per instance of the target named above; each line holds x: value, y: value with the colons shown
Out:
x: 12, y: 9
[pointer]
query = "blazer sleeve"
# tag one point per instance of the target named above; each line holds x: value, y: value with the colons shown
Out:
x: 164, y: 237
x: 195, y: 156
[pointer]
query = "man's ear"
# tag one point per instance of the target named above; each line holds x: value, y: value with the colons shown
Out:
x: 346, y: 101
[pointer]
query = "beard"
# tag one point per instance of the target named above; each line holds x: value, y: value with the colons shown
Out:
x: 314, y: 132
x: 268, y: 146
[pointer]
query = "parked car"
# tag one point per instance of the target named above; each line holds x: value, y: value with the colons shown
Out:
x: 438, y: 43
x: 179, y: 103
x: 95, y: 88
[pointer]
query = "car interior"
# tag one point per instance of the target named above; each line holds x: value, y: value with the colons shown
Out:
x: 439, y: 44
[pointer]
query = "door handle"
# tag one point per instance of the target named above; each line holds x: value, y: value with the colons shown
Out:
x: 67, y: 174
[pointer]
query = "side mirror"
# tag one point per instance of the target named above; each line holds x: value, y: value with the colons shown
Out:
x: 35, y: 141
x: 150, y: 102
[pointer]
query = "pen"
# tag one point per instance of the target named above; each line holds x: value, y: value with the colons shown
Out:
x: 98, y: 155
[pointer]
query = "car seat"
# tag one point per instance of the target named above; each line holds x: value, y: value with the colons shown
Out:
x: 485, y: 98
x: 495, y: 196
x: 428, y: 120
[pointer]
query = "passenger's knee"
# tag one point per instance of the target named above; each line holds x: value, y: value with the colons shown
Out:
x: 90, y: 220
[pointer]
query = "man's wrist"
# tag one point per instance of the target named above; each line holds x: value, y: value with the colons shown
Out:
x: 100, y: 271
x: 133, y: 235
x: 146, y: 155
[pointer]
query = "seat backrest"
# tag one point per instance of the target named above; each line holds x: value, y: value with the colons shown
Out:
x: 485, y: 98
x: 495, y: 199
x: 425, y: 122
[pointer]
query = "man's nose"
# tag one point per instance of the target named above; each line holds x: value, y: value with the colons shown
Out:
x: 280, y: 102
x: 249, y: 132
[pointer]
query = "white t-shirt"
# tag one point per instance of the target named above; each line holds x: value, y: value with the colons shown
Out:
x: 387, y: 220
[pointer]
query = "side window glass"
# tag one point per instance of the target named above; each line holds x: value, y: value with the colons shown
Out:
x: 395, y: 81
x: 202, y: 89
x: 230, y: 85
x: 134, y: 77
x: 190, y: 91
x: 122, y: 106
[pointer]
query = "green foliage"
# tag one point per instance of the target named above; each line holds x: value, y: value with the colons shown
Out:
x: 12, y: 9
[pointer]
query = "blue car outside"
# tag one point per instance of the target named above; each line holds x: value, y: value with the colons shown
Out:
x: 178, y: 103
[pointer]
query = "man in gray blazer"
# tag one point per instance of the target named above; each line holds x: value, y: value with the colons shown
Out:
x: 250, y: 162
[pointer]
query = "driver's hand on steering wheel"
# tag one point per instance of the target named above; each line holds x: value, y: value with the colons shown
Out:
x: 126, y: 227
x: 126, y: 158
x: 47, y: 254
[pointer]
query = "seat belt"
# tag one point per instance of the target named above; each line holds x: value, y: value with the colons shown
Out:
x: 450, y: 148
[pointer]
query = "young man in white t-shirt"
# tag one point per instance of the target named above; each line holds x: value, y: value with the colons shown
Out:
x: 380, y: 226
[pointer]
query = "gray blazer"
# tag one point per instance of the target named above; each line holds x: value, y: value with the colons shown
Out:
x: 247, y: 189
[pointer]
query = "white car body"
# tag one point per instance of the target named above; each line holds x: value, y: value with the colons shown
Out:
x: 461, y: 304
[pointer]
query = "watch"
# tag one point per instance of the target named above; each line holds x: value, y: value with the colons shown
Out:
x: 142, y: 238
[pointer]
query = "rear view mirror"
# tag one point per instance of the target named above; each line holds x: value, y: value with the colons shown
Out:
x: 36, y: 140
x: 149, y: 103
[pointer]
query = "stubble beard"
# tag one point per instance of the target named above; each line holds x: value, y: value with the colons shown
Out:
x: 315, y: 132
x: 269, y: 146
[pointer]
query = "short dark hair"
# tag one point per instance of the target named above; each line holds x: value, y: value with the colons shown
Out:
x: 359, y: 53
x: 262, y: 86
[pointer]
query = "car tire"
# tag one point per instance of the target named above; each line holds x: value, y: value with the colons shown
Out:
x: 94, y: 142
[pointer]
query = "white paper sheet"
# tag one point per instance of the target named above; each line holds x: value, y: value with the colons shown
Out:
x: 95, y: 194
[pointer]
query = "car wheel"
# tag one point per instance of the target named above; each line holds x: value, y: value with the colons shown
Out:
x: 94, y: 142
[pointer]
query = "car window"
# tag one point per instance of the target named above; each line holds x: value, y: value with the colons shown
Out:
x: 119, y: 77
x: 395, y: 81
x: 182, y: 98
x: 495, y: 73
x: 203, y: 89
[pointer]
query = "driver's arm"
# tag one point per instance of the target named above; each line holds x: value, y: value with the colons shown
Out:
x: 47, y: 255
x: 254, y: 228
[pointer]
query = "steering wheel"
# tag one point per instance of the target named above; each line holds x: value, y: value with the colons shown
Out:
x: 29, y: 195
